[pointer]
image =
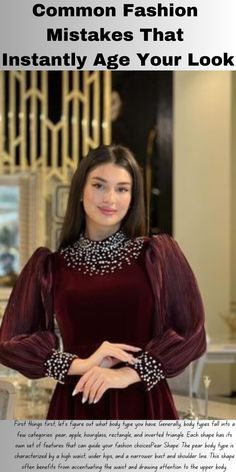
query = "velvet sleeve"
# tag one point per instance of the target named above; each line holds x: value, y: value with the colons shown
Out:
x: 179, y: 333
x: 27, y: 335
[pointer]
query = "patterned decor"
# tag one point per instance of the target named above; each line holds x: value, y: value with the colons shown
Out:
x: 48, y: 121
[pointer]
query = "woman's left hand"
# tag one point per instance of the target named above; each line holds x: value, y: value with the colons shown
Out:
x: 98, y: 379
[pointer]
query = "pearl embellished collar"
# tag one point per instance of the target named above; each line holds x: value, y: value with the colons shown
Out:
x: 102, y: 257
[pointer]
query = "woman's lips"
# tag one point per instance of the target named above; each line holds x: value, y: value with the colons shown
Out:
x: 107, y: 211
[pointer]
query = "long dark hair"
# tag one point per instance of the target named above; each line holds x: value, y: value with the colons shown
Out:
x: 74, y: 222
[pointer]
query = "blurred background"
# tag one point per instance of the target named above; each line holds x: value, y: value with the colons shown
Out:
x: 181, y: 128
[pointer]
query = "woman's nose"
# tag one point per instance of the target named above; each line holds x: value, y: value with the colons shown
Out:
x: 109, y: 196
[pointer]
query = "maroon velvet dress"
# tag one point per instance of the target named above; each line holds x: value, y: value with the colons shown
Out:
x: 153, y: 303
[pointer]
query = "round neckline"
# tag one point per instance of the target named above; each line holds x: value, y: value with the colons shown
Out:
x: 117, y: 235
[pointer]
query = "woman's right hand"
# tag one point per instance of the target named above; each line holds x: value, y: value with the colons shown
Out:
x: 109, y: 354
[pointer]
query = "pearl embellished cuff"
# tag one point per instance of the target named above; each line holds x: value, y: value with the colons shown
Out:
x: 58, y: 365
x: 149, y: 369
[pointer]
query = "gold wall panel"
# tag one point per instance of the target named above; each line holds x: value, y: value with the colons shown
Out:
x: 31, y: 141
x: 48, y: 122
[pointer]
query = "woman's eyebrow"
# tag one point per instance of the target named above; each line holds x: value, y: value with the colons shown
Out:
x: 105, y: 181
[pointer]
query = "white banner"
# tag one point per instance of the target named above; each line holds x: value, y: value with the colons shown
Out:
x: 119, y: 445
x: 147, y: 35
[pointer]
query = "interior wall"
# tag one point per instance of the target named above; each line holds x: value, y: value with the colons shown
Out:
x: 233, y: 193
x: 233, y: 211
x: 202, y: 191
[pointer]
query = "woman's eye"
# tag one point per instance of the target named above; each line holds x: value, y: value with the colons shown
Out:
x: 98, y: 185
x: 123, y: 189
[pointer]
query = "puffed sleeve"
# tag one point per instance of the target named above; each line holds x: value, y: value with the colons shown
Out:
x: 27, y: 336
x: 179, y: 333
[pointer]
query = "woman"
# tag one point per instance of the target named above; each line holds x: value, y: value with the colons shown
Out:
x: 127, y: 306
